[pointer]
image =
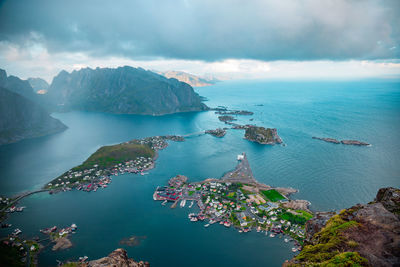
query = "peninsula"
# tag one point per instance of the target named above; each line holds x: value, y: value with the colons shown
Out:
x: 135, y: 156
x: 239, y: 200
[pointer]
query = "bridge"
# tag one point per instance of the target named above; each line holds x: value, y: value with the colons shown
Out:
x: 21, y: 196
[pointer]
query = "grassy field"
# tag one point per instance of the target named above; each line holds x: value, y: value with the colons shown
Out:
x: 108, y: 156
x: 273, y: 195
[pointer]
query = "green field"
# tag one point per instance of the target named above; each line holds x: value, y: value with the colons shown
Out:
x: 108, y: 156
x: 273, y: 195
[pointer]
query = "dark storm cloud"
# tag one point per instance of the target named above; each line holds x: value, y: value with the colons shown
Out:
x: 207, y: 29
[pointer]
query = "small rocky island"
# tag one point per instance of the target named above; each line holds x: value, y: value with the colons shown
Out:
x: 226, y: 118
x: 363, y: 235
x: 234, y: 112
x: 217, y: 132
x: 344, y: 142
x: 135, y: 156
x: 239, y: 200
x: 261, y: 135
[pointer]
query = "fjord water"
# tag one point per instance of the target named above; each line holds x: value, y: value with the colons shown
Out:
x: 330, y: 176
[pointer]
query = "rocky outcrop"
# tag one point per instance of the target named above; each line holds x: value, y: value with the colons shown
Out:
x: 117, y: 258
x: 344, y: 142
x: 261, y: 135
x: 123, y: 90
x: 217, y: 132
x: 21, y: 118
x: 363, y: 235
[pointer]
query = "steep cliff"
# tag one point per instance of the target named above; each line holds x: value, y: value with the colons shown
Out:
x: 122, y: 90
x: 363, y: 235
x: 20, y: 118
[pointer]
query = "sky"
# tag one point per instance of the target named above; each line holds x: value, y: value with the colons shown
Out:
x: 233, y: 39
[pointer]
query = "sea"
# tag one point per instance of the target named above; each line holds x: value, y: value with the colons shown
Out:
x: 330, y: 176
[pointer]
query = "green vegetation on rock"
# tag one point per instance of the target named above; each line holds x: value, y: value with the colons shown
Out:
x: 109, y: 156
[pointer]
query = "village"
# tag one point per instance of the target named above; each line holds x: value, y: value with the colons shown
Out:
x: 91, y: 177
x: 236, y: 200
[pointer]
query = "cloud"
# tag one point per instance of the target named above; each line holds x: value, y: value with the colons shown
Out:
x: 205, y: 30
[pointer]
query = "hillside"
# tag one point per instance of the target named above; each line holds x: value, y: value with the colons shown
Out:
x: 17, y: 85
x: 20, y: 118
x: 363, y: 235
x: 124, y: 90
x: 188, y: 78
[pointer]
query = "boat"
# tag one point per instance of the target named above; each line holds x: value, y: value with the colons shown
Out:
x: 194, y: 219
x: 206, y: 225
x: 164, y: 202
x: 271, y: 235
x: 183, y: 203
x: 294, y: 249
x: 286, y: 240
x: 191, y: 204
x: 5, y: 225
x: 17, y: 231
x: 73, y: 227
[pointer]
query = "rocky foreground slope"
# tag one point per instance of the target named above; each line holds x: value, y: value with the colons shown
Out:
x: 363, y: 235
x: 124, y: 90
x: 117, y: 258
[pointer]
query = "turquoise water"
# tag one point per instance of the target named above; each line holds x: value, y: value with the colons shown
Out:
x: 330, y: 176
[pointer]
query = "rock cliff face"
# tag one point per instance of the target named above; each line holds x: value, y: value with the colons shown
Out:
x: 20, y: 118
x: 363, y: 235
x: 117, y: 258
x: 16, y: 85
x: 122, y: 90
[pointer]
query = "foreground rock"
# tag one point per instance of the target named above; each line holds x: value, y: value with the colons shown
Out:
x: 117, y: 258
x: 217, y: 132
x: 363, y: 235
x: 261, y: 135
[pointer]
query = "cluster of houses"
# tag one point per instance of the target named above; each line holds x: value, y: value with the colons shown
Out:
x: 231, y: 204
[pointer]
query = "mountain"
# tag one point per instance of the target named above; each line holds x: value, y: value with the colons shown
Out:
x: 39, y: 85
x: 188, y: 78
x: 363, y: 235
x: 124, y: 90
x: 16, y: 85
x: 21, y: 118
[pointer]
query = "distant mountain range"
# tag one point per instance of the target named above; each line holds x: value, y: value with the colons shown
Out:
x: 39, y: 85
x: 188, y: 78
x: 124, y: 90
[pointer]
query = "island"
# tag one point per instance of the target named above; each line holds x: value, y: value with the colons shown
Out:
x: 344, y: 142
x: 217, y: 132
x: 234, y: 112
x: 363, y: 235
x: 239, y: 200
x: 226, y: 118
x: 261, y: 135
x: 135, y: 156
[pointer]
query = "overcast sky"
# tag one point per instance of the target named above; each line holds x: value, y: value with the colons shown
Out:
x: 230, y: 39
